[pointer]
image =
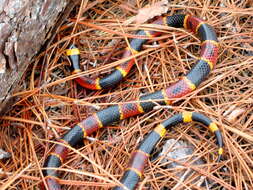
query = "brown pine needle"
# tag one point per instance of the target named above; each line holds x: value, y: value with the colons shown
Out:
x: 51, y: 102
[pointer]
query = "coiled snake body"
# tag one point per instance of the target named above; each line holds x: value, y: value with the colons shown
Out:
x: 187, y: 84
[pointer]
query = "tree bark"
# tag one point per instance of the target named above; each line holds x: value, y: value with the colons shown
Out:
x: 25, y: 26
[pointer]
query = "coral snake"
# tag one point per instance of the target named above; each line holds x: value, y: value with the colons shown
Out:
x: 184, y: 86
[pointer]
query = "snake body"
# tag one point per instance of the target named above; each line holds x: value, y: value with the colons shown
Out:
x: 139, y: 157
x: 184, y: 86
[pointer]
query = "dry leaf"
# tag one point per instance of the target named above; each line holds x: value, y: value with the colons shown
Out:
x: 232, y: 113
x: 149, y: 12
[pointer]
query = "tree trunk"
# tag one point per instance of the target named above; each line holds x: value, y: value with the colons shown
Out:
x: 24, y: 27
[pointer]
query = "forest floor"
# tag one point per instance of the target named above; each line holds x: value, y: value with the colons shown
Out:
x: 52, y: 102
